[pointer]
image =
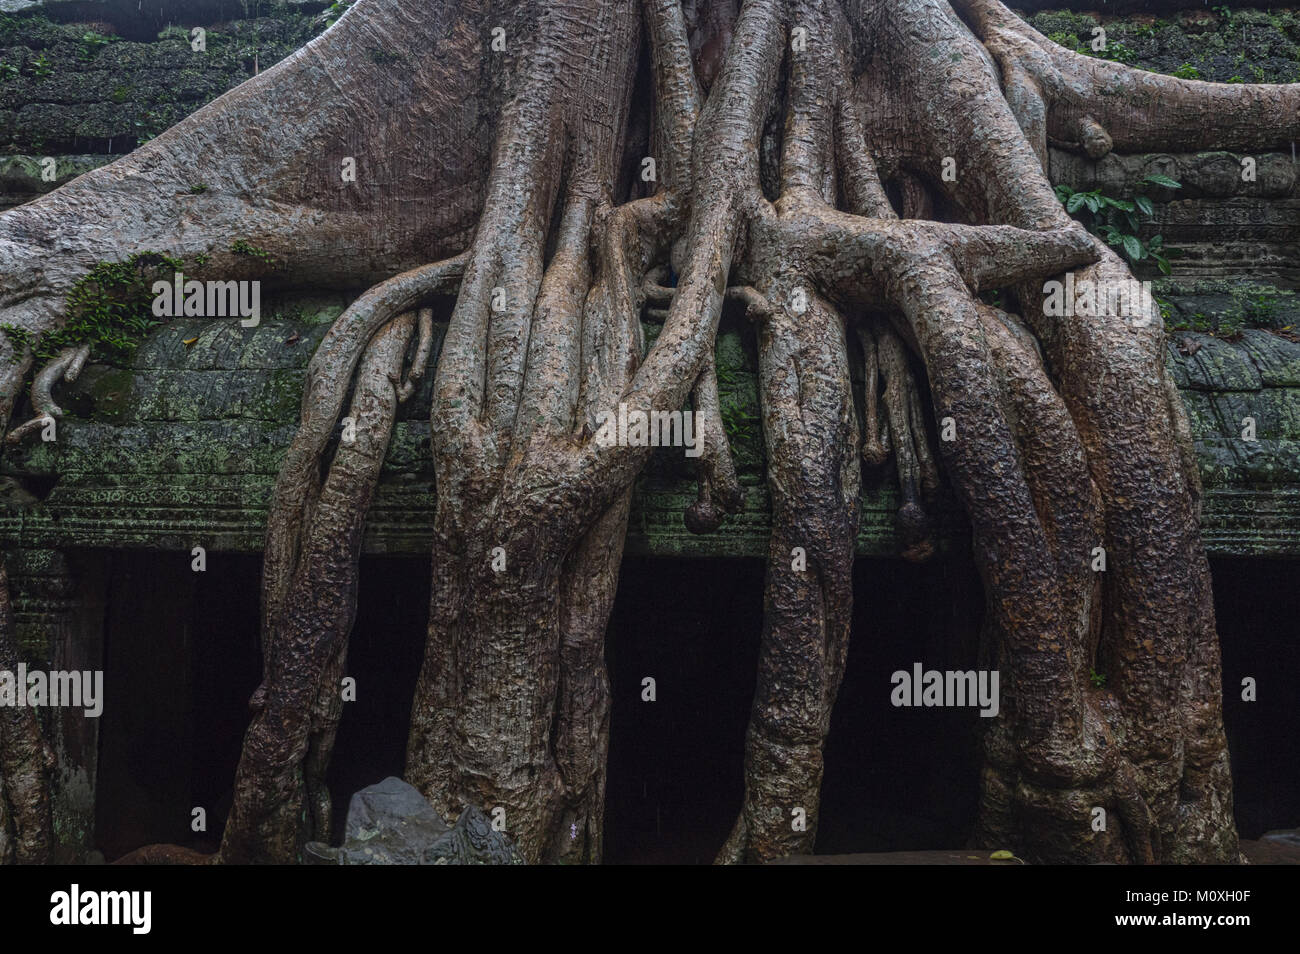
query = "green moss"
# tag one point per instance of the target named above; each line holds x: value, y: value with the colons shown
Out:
x: 110, y: 391
x: 335, y: 11
x: 20, y: 338
x: 92, y: 43
x: 1232, y: 307
x: 243, y: 247
x: 110, y: 307
x: 1079, y: 25
x: 1067, y: 40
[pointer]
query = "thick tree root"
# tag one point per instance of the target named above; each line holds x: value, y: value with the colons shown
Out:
x: 1096, y: 105
x: 26, y: 763
x: 66, y: 365
x: 297, y: 706
x: 810, y: 428
x: 328, y: 377
x: 511, y: 709
x: 1155, y: 606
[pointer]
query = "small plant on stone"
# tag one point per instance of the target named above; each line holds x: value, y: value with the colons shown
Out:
x: 1119, y: 220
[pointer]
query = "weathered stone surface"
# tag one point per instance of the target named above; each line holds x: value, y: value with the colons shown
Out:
x: 1274, y: 412
x: 1218, y: 366
x: 142, y: 14
x: 1214, y: 175
x: 84, y: 92
x: 182, y: 448
x: 472, y: 842
x: 1277, y: 359
x: 391, y: 823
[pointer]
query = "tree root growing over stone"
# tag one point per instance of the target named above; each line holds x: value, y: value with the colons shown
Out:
x: 1064, y: 437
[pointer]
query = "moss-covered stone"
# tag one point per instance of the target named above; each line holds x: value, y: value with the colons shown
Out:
x: 184, y: 445
x: 1219, y: 44
x: 61, y: 92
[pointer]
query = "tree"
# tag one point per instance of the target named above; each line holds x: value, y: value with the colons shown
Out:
x: 499, y: 152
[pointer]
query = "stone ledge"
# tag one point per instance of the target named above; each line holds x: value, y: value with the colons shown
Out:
x: 183, y: 449
x: 1236, y: 522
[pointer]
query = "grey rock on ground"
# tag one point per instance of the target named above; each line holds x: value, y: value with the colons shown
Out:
x: 391, y: 823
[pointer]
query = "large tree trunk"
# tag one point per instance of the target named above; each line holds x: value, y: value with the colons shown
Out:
x: 497, y: 148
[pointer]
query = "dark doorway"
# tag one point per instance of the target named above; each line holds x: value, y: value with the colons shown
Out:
x: 384, y: 657
x: 675, y: 765
x: 894, y: 778
x: 181, y: 657
x: 1257, y: 606
x: 903, y: 778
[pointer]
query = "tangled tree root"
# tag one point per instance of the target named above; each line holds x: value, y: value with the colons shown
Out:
x: 776, y: 160
x: 903, y: 432
x: 67, y: 364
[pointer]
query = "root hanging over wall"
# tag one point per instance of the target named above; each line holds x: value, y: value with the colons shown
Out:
x: 280, y: 798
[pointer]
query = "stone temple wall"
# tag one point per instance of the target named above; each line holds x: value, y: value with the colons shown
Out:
x: 183, y: 441
x: 85, y: 81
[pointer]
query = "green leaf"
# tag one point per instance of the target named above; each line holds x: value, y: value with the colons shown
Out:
x: 1162, y: 180
x: 1093, y: 202
x: 1133, y: 247
x: 1075, y: 202
x: 1163, y: 264
x: 1144, y: 205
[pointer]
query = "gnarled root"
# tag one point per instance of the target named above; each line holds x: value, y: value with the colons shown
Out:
x: 905, y: 434
x: 328, y: 376
x: 1060, y: 746
x: 489, y: 689
x: 296, y: 716
x: 67, y: 364
x: 1095, y: 105
x: 810, y: 427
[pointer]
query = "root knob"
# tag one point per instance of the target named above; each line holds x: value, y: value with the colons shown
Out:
x: 703, y: 516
